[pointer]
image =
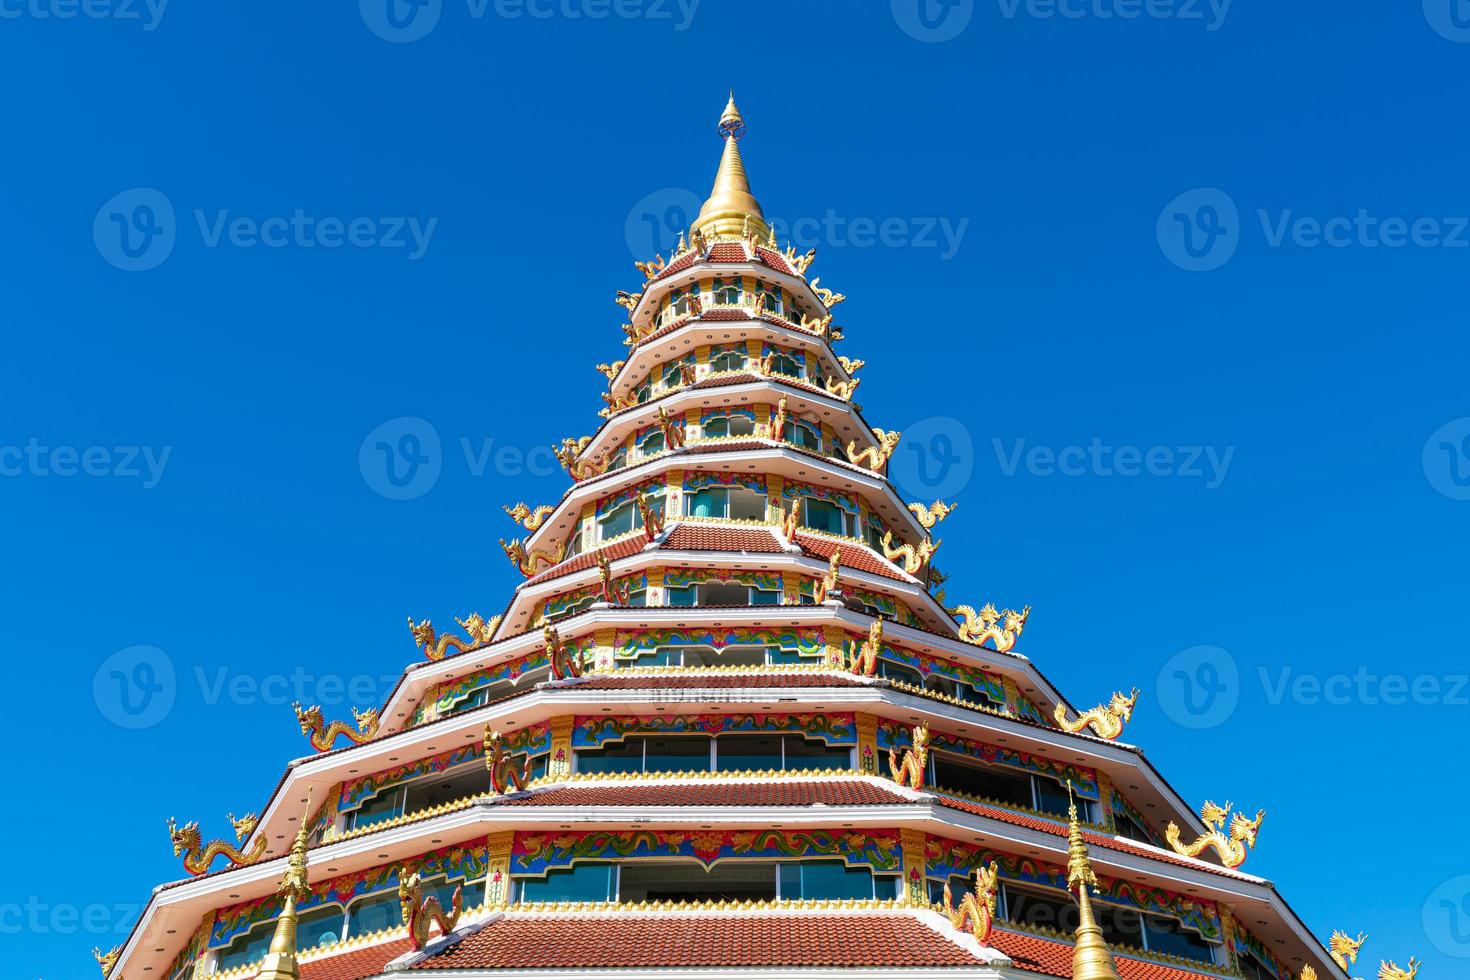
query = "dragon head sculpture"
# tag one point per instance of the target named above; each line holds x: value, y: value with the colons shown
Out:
x: 186, y: 839
x: 311, y: 719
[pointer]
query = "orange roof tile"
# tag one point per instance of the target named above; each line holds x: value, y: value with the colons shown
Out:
x: 854, y: 792
x: 854, y: 556
x: 1055, y: 959
x: 357, y: 963
x: 711, y: 537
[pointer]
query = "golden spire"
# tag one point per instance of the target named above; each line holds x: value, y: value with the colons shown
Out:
x: 1091, y: 960
x: 280, y: 961
x: 732, y: 211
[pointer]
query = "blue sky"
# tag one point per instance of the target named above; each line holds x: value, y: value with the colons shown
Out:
x: 1222, y: 249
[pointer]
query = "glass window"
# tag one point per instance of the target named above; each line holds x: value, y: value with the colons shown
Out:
x: 626, y: 517
x: 730, y: 360
x: 625, y: 756
x: 742, y: 753
x: 1126, y: 826
x: 1051, y: 797
x: 727, y: 294
x: 709, y: 502
x: 671, y: 376
x: 963, y: 776
x: 385, y: 806
x: 825, y: 879
x: 619, y: 459
x: 803, y: 434
x: 652, y: 443
x: 374, y: 914
x: 688, y: 881
x: 589, y: 881
x: 823, y: 515
x: 792, y: 367
x: 900, y: 673
x: 677, y: 753
x: 804, y: 755
x: 1168, y: 936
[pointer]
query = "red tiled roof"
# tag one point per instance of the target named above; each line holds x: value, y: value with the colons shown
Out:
x: 709, y: 537
x: 356, y: 963
x: 619, y: 549
x: 678, y: 265
x: 853, y: 556
x: 615, y: 682
x: 854, y: 792
x: 727, y: 252
x: 1060, y: 830
x: 720, y: 315
x: 1055, y: 959
x: 774, y: 259
x: 645, y: 941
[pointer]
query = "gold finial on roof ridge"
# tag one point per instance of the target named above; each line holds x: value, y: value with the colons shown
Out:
x: 280, y: 961
x: 1091, y: 958
x: 731, y: 210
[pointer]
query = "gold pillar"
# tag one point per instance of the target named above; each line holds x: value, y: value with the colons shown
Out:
x: 774, y: 511
x: 560, y: 764
x: 867, y: 743
x: 606, y: 640
x: 753, y: 349
x: 701, y: 355
x: 497, y: 877
x: 915, y: 867
x: 1105, y: 803
x: 1227, y: 936
x: 790, y: 589
x: 1013, y: 698
x: 673, y: 496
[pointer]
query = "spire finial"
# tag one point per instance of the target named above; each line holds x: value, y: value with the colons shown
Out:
x: 1091, y: 959
x: 280, y: 961
x: 732, y: 211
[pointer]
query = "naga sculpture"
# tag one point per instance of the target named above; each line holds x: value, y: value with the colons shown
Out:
x: 609, y: 593
x: 977, y: 909
x: 1344, y: 950
x: 799, y: 262
x: 569, y: 455
x: 106, y: 960
x: 827, y: 587
x: 610, y: 371
x: 829, y: 299
x: 673, y: 432
x: 850, y: 366
x: 530, y: 562
x: 909, y: 771
x: 776, y: 428
x: 420, y: 912
x: 564, y: 663
x: 818, y: 326
x: 874, y: 457
x: 1001, y: 628
x: 652, y: 268
x: 1389, y: 970
x: 865, y: 660
x: 480, y: 631
x: 322, y: 735
x: 842, y: 389
x: 653, y: 521
x: 197, y: 856
x: 914, y: 558
x: 1231, y: 850
x: 619, y: 404
x: 504, y: 774
x: 930, y: 516
x: 1107, y: 721
x: 792, y: 520
x: 527, y: 518
x: 627, y: 300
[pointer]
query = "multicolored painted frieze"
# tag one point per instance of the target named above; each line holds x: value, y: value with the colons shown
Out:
x: 606, y: 504
x: 791, y: 490
x: 532, y: 740
x: 701, y: 481
x: 892, y: 734
x: 557, y: 605
x: 442, y: 697
x: 537, y: 853
x: 637, y: 643
x: 834, y: 729
x: 679, y: 578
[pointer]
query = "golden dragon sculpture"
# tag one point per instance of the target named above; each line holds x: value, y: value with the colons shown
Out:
x: 651, y: 268
x: 569, y: 455
x: 842, y: 389
x: 627, y: 300
x: 1107, y: 721
x: 930, y: 516
x: 531, y: 562
x: 1231, y: 850
x: 505, y: 775
x: 1344, y: 951
x: 977, y: 910
x: 820, y: 326
x: 799, y: 262
x: 909, y: 770
x: 864, y: 659
x: 1389, y: 970
x: 792, y: 520
x: 564, y: 662
x: 322, y: 735
x: 849, y: 365
x: 619, y: 404
x: 653, y: 521
x: 616, y: 595
x: 610, y: 371
x: 527, y: 518
x: 828, y: 586
x: 420, y: 912
x: 673, y: 431
x: 876, y: 457
x: 1001, y: 628
x: 481, y: 631
x: 106, y: 960
x: 829, y: 299
x: 188, y: 844
x: 776, y: 427
x: 914, y: 558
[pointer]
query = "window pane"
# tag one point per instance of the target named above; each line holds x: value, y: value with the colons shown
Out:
x: 681, y: 597
x: 898, y: 672
x: 1168, y: 936
x: 738, y: 753
x: 978, y: 780
x: 831, y: 879
x: 384, y: 806
x: 822, y: 515
x: 762, y: 597
x: 319, y: 927
x: 1051, y: 797
x: 374, y: 914
x: 588, y: 882
x: 808, y: 754
x: 678, y: 754
x: 707, y: 503
x: 624, y: 757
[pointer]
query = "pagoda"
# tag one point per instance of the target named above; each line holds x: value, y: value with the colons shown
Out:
x: 726, y: 723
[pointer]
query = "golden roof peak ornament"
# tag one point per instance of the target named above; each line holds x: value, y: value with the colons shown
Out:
x: 280, y: 961
x: 731, y: 211
x: 1091, y: 960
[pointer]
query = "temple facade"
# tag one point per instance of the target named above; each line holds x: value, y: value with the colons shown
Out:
x: 726, y: 723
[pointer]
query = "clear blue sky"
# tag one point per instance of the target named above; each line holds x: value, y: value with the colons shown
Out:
x: 529, y: 153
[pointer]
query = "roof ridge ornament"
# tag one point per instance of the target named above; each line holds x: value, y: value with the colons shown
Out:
x: 731, y: 211
x: 280, y: 962
x: 1091, y: 958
